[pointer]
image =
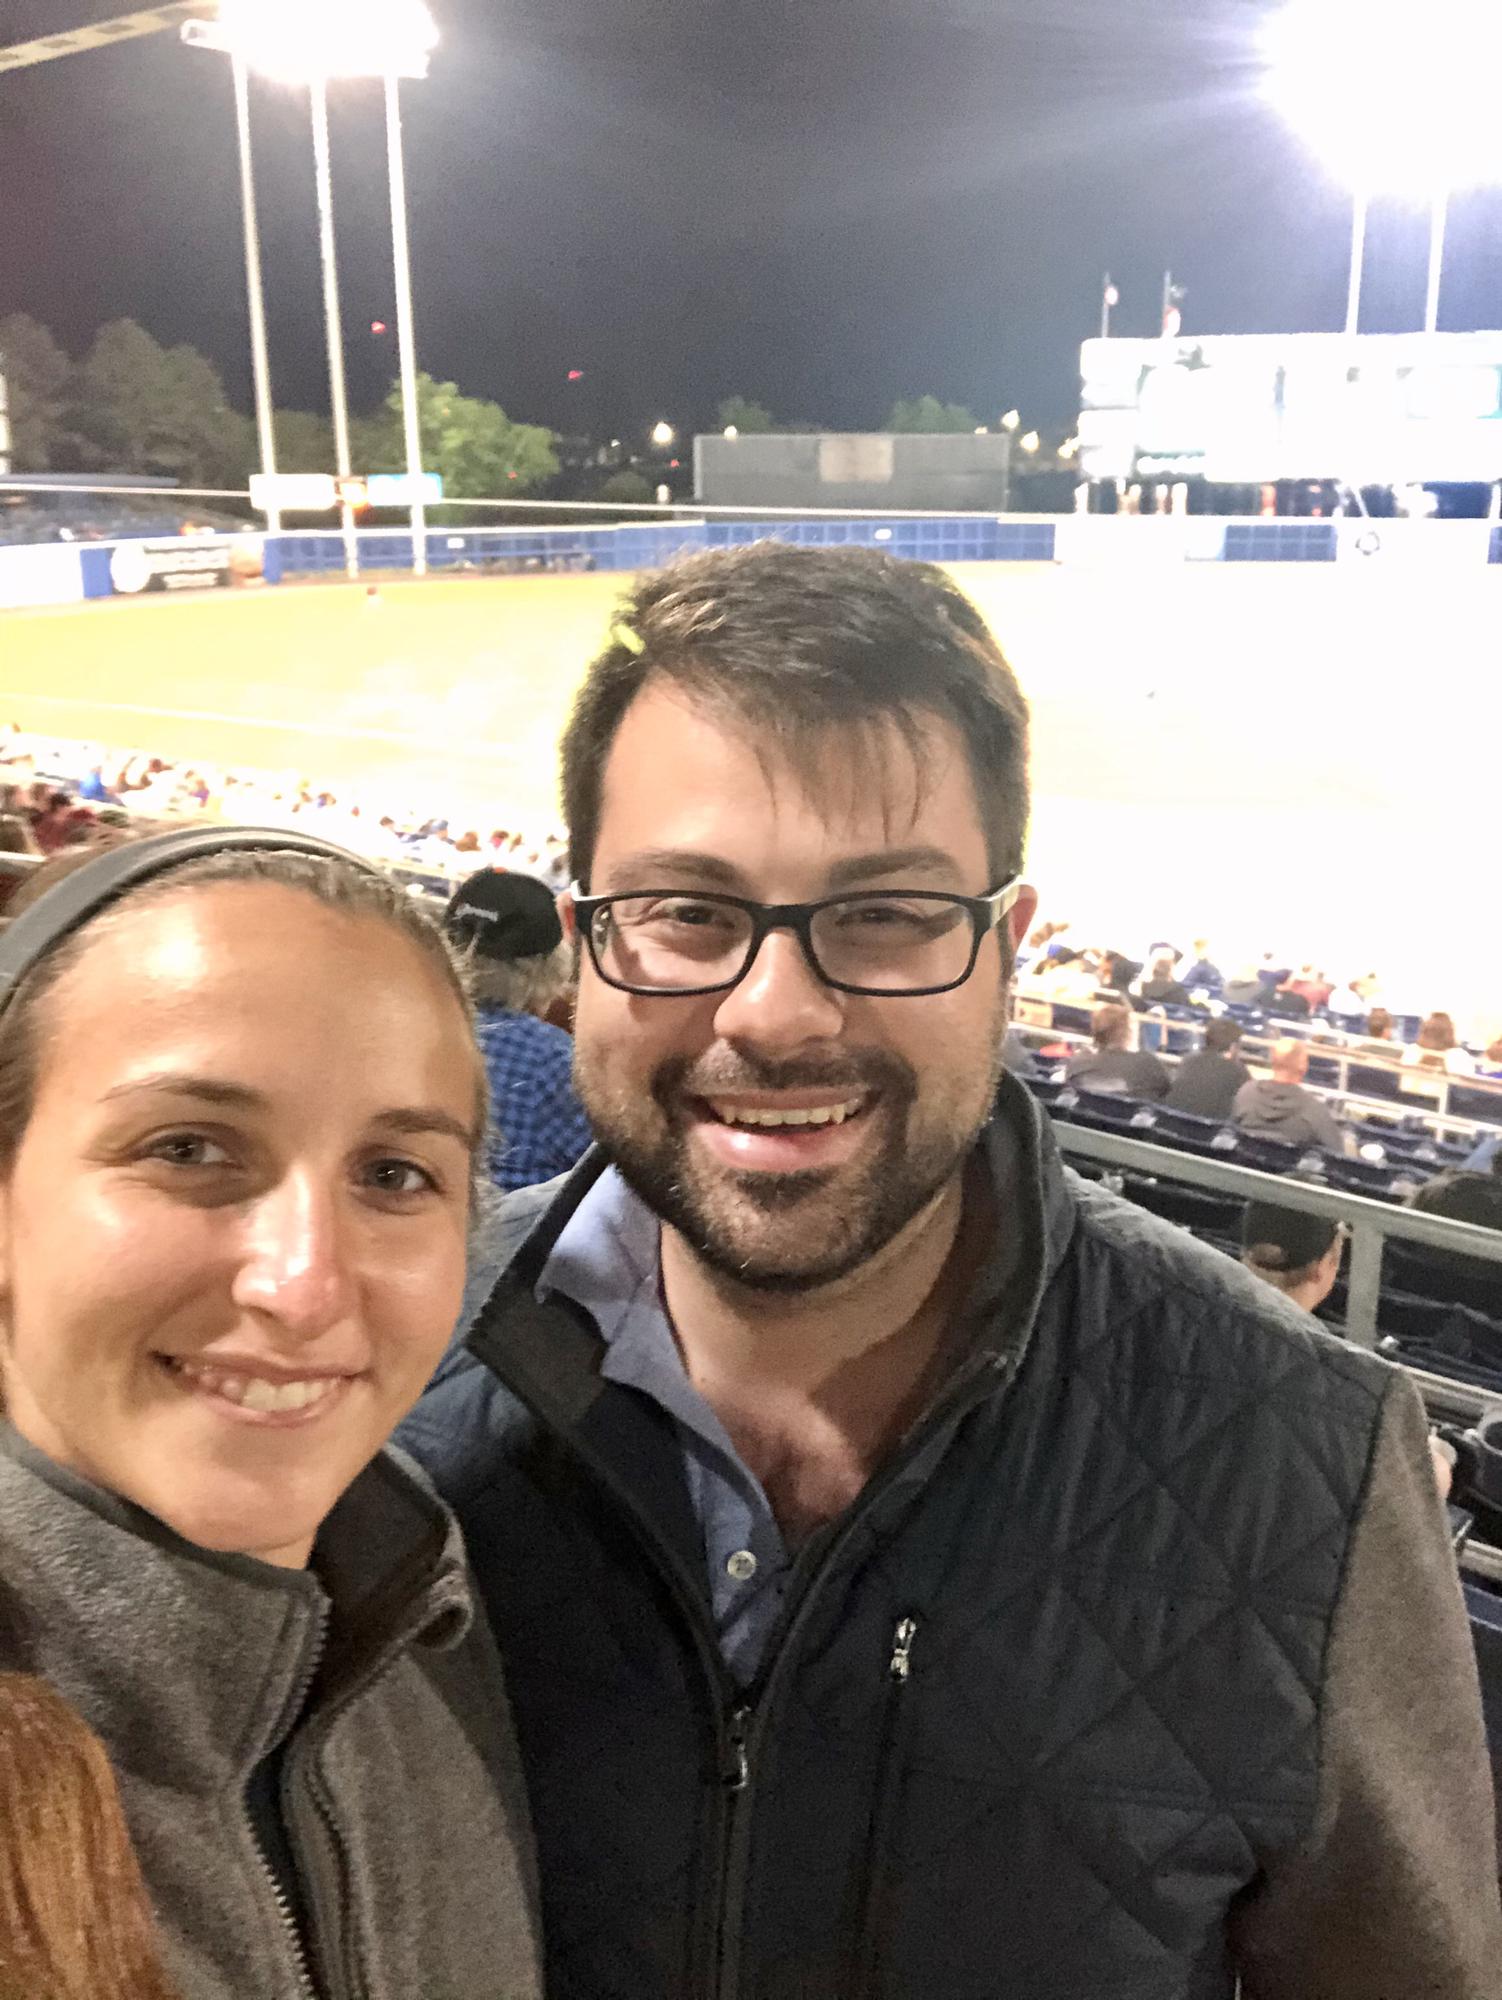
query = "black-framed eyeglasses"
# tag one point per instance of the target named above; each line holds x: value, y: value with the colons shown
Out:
x: 896, y: 944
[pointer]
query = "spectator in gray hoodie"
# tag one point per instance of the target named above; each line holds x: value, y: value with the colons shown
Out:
x: 1282, y: 1108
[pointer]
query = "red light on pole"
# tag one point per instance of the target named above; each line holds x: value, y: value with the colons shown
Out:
x: 576, y: 374
x: 378, y: 326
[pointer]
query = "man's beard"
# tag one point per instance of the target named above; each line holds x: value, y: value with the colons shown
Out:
x: 787, y: 1232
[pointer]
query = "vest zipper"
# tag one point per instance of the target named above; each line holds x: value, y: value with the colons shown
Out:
x: 967, y: 1392
x: 865, y: 1949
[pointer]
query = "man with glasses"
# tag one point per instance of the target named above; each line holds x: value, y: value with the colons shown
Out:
x: 919, y: 1574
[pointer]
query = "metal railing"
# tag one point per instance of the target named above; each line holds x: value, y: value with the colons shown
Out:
x: 1372, y: 1223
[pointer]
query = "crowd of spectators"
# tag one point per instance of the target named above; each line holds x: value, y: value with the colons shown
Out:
x: 63, y: 794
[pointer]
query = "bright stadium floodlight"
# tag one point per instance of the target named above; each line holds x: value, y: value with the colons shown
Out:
x: 322, y: 41
x: 1398, y: 97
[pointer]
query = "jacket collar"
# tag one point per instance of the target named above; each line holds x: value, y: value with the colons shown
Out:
x: 195, y: 1666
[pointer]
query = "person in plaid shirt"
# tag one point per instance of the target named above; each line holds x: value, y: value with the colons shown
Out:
x: 520, y: 966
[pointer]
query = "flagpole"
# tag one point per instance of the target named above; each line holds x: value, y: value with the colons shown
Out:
x: 1108, y: 298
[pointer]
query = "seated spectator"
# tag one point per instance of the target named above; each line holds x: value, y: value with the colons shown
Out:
x: 1464, y: 1196
x: 520, y: 966
x: 1162, y: 989
x: 1354, y: 1001
x: 1245, y: 990
x: 1203, y: 975
x: 1117, y: 971
x: 1206, y: 1084
x: 93, y: 789
x: 1380, y: 1038
x: 1436, y: 1049
x: 1297, y: 1253
x: 1486, y: 1156
x: 1017, y: 1056
x: 1491, y: 1063
x: 1113, y: 1064
x: 1281, y: 1107
x: 1310, y: 985
x: 1284, y: 1003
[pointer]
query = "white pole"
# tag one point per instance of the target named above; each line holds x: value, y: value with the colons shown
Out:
x: 333, y: 321
x: 1358, y: 260
x: 1438, y: 223
x: 401, y: 262
x: 255, y: 290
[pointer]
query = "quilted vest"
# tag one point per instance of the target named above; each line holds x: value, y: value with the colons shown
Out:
x: 1043, y: 1704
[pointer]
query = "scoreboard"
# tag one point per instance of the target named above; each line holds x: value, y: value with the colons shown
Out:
x: 1250, y: 409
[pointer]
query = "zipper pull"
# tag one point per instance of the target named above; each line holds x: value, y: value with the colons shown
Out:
x: 902, y: 1649
x: 737, y: 1770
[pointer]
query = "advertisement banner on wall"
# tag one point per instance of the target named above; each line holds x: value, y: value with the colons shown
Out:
x: 181, y: 562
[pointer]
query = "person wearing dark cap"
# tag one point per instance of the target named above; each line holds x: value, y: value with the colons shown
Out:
x: 1296, y: 1252
x: 520, y: 966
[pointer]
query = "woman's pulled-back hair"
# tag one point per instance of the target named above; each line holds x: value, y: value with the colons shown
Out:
x: 787, y: 643
x: 75, y: 1920
x: 345, y: 886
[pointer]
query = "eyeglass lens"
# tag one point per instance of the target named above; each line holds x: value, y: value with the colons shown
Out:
x: 672, y: 943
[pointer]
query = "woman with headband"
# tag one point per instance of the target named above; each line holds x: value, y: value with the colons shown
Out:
x: 241, y: 1112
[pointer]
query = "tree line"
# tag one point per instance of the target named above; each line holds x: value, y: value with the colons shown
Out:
x: 133, y: 406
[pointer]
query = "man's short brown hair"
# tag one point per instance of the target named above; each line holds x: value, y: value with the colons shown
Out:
x: 788, y: 643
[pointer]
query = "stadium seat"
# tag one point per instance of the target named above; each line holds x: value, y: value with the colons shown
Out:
x: 1474, y: 1100
x: 1445, y: 1276
x: 1268, y: 1156
x: 1099, y: 1111
x: 1206, y: 1214
x: 1373, y: 1080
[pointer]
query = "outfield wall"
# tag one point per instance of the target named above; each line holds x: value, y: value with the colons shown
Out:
x: 67, y: 573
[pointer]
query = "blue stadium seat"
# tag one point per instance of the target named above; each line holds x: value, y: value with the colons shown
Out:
x: 1268, y: 1156
x: 1475, y: 1100
x: 1374, y: 1080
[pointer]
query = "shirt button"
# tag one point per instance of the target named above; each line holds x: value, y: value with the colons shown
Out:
x: 742, y: 1566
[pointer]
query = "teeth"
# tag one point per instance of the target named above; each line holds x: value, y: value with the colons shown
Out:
x: 823, y: 1114
x: 251, y: 1392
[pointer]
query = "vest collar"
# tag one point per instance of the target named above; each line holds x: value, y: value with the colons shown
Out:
x: 549, y: 1351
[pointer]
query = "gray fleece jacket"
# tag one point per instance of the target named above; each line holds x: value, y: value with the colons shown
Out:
x: 369, y: 1676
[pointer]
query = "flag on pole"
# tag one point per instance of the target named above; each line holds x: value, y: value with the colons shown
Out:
x: 1173, y: 298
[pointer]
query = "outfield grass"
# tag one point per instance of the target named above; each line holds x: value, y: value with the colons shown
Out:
x: 1298, y: 758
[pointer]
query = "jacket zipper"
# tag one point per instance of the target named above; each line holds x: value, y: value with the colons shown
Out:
x: 307, y: 1989
x: 865, y: 1954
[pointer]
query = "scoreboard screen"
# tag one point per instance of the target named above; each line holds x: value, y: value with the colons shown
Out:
x: 1247, y: 409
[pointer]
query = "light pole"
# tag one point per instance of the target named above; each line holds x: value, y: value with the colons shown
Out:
x: 260, y: 363
x: 333, y: 320
x: 316, y: 42
x: 406, y: 338
x: 1399, y: 98
x: 1439, y: 216
x: 1358, y: 260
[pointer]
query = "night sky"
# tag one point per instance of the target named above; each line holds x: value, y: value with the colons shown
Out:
x: 823, y: 204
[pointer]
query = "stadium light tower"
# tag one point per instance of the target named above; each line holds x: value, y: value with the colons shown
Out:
x: 1399, y: 97
x: 317, y: 42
